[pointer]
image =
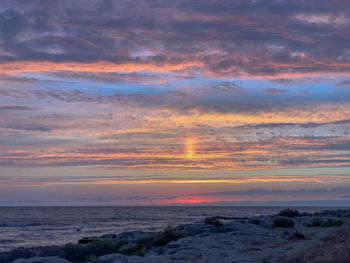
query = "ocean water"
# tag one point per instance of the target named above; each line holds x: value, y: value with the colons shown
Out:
x: 42, y: 226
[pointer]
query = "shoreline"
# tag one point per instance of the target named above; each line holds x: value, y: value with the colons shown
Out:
x: 216, y: 239
x: 29, y: 227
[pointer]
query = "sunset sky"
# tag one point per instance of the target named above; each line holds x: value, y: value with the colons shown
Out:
x: 134, y: 102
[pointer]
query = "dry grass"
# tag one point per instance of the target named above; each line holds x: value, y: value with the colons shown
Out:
x: 335, y: 248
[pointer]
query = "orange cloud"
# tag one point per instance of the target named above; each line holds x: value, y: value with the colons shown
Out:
x: 324, y: 178
x: 101, y: 66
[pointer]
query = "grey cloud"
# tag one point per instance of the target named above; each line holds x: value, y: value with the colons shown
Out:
x: 104, y: 199
x: 307, y: 144
x: 4, y: 77
x: 26, y: 127
x: 274, y: 91
x: 257, y: 37
x: 230, y: 97
x: 283, y: 203
x: 113, y: 77
x: 278, y: 191
x: 282, y: 81
x: 11, y: 23
x: 303, y: 92
x: 345, y: 83
x: 226, y: 87
x: 291, y: 124
x: 15, y: 108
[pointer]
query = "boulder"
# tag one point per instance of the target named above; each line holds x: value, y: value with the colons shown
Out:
x: 41, y: 260
x: 128, y: 237
x: 120, y: 258
x: 134, y: 235
x: 115, y: 258
x: 151, y: 258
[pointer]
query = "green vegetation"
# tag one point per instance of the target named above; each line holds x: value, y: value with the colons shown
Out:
x: 167, y: 235
x: 80, y: 253
x: 160, y: 239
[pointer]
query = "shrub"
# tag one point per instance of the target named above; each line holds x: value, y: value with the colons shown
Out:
x: 332, y: 222
x: 316, y: 222
x: 255, y: 221
x: 81, y: 253
x: 297, y: 236
x: 213, y: 221
x: 167, y: 235
x: 337, y: 213
x: 142, y: 246
x: 283, y: 222
x: 288, y: 212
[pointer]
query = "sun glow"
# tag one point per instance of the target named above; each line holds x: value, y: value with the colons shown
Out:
x: 190, y: 152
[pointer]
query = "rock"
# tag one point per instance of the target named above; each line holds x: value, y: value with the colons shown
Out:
x: 134, y: 235
x: 148, y: 259
x: 115, y: 258
x: 126, y: 237
x: 196, y: 229
x: 41, y: 260
x: 46, y: 251
x: 245, y: 241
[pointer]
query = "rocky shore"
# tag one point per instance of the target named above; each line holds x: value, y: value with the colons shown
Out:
x: 275, y: 238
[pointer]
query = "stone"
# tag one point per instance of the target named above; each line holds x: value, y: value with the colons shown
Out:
x: 41, y: 260
x: 115, y: 258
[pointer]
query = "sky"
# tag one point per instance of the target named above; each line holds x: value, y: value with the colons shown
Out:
x: 130, y: 102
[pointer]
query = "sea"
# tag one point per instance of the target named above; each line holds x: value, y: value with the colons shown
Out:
x: 44, y: 226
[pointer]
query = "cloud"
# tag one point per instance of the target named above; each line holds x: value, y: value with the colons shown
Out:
x: 226, y: 87
x: 344, y: 83
x: 104, y: 199
x: 303, y: 92
x: 278, y: 203
x: 251, y: 37
x: 279, y: 191
x: 274, y: 91
x: 114, y: 77
x: 290, y: 124
x: 15, y: 108
x: 27, y: 127
x: 129, y: 84
x: 9, y: 78
x: 282, y: 81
